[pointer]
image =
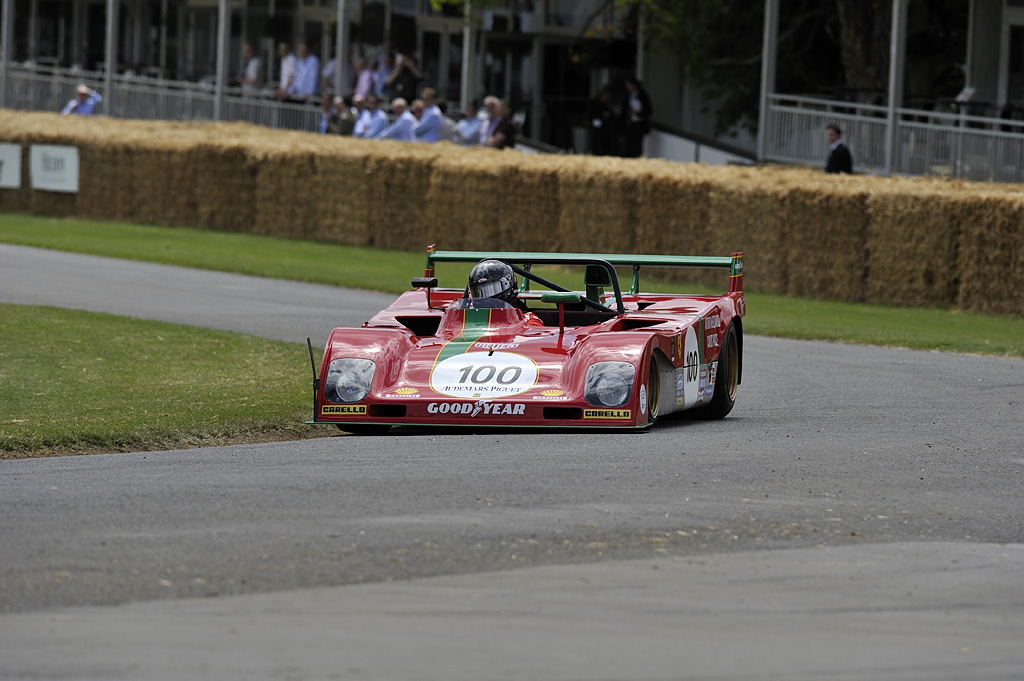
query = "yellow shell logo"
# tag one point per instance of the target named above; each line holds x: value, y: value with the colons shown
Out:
x: 406, y: 391
x: 552, y: 393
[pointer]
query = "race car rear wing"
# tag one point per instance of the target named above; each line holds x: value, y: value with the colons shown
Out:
x: 733, y: 263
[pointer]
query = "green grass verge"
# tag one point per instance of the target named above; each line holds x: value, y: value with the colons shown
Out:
x: 74, y: 382
x: 367, y: 268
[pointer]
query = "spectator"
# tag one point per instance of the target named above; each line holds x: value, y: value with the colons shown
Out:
x: 467, y: 131
x: 307, y: 72
x: 84, y: 102
x: 288, y: 62
x: 405, y: 122
x: 840, y: 160
x: 251, y: 77
x: 429, y: 127
x: 385, y: 65
x: 504, y: 135
x: 491, y: 122
x: 358, y: 106
x: 364, y: 79
x: 380, y: 80
x: 417, y: 109
x: 601, y: 118
x: 636, y: 118
x: 372, y: 121
x: 328, y: 115
x: 327, y: 77
x: 404, y: 80
x: 347, y: 114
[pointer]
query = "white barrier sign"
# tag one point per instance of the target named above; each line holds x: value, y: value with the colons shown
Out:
x: 10, y: 166
x: 54, y: 169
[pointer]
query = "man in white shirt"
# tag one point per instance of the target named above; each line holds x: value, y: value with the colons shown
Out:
x: 307, y: 75
x: 372, y: 121
x: 251, y: 78
x: 493, y: 118
x: 405, y: 122
x: 467, y: 130
x: 288, y: 62
x: 429, y: 127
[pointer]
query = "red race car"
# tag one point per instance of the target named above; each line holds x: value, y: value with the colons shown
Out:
x: 514, y: 348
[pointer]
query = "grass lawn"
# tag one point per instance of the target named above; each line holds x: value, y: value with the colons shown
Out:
x: 380, y: 270
x: 76, y: 382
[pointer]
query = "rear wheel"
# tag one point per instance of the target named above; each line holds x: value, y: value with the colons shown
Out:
x: 364, y: 428
x: 727, y: 379
x: 653, y: 389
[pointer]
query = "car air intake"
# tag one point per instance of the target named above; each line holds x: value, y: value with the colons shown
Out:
x: 563, y: 413
x: 391, y: 411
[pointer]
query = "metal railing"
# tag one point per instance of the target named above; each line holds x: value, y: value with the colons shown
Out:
x: 927, y: 142
x: 42, y: 88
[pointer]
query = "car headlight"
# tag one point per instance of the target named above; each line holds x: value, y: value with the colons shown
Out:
x: 609, y: 384
x: 348, y: 380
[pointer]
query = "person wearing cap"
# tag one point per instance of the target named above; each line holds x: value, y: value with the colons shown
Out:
x: 84, y: 102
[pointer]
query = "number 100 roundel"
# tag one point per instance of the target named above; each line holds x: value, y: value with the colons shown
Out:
x: 479, y: 375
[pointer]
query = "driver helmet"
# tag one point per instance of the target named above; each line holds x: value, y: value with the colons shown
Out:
x: 493, y: 279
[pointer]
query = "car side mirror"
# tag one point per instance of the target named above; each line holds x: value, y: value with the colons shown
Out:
x: 427, y: 283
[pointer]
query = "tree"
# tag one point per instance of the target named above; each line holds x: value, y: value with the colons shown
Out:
x: 717, y: 48
x: 864, y: 39
x: 838, y: 47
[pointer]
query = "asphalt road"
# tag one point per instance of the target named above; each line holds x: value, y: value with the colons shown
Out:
x: 858, y: 516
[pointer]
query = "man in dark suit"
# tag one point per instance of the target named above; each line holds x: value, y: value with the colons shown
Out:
x: 839, y: 160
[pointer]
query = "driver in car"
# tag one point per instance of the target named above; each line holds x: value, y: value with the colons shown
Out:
x: 496, y: 279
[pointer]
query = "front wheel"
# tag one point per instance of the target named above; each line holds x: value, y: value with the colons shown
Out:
x: 726, y: 380
x: 653, y: 389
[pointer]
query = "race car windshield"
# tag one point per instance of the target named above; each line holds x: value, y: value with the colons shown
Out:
x: 479, y: 303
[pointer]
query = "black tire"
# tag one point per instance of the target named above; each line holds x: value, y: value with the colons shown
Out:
x: 726, y: 380
x: 653, y: 389
x: 364, y: 428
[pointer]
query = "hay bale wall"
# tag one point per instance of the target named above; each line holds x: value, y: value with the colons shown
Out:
x: 917, y: 241
x: 990, y: 265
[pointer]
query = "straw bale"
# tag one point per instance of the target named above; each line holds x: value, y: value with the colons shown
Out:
x: 915, y: 241
x: 466, y: 198
x: 991, y: 257
x: 164, y: 185
x: 912, y: 246
x: 225, y: 186
x: 105, y: 173
x: 672, y: 216
x: 826, y: 233
x: 530, y: 203
x: 598, y: 211
x: 342, y: 194
x: 286, y: 194
x: 744, y: 214
x: 399, y: 180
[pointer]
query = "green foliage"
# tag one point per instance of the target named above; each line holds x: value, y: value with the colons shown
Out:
x: 825, y: 47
